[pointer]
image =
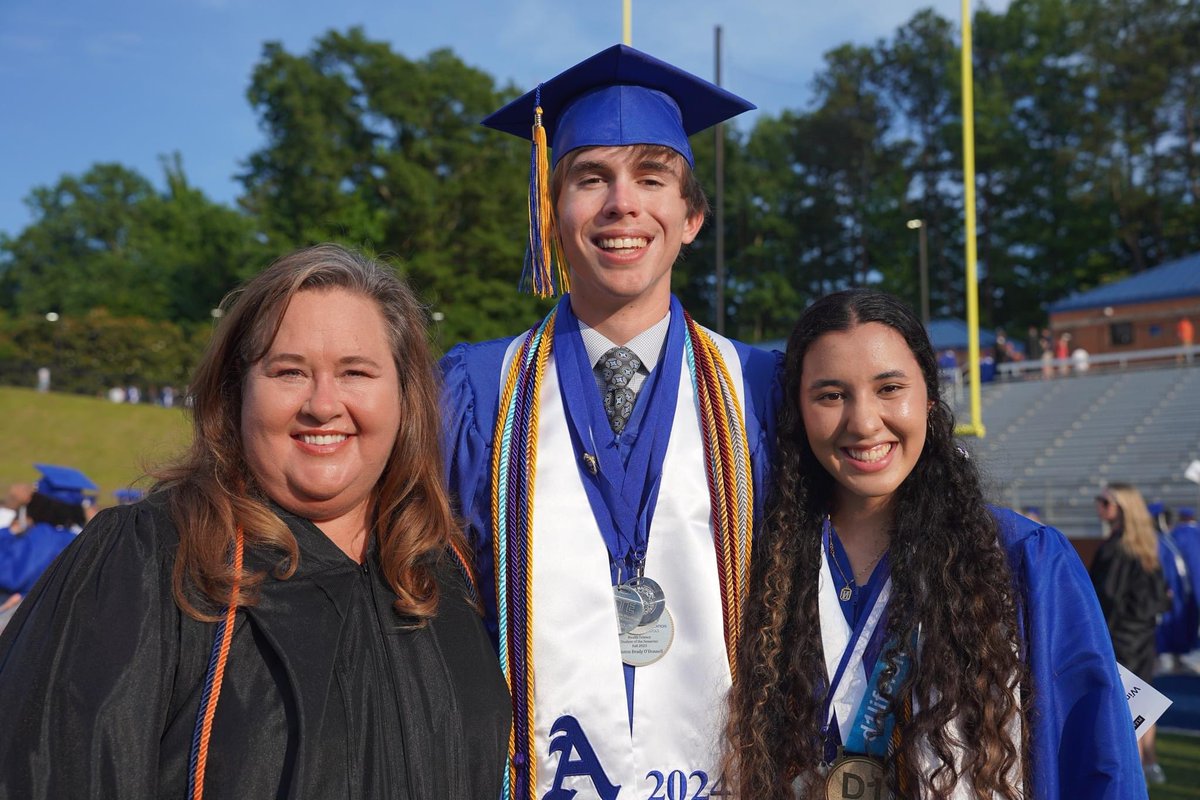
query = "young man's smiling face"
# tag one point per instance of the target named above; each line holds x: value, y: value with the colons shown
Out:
x: 622, y: 220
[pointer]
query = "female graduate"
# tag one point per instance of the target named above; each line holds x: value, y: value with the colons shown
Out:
x: 901, y: 636
x: 281, y: 617
x: 1128, y: 575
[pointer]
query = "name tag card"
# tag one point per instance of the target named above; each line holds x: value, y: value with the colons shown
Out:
x: 1146, y: 704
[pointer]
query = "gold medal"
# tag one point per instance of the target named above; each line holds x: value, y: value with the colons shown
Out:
x: 855, y: 777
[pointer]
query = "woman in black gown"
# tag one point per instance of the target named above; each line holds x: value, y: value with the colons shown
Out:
x: 1132, y: 591
x: 355, y: 664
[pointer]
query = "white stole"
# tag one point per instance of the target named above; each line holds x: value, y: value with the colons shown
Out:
x: 835, y: 636
x: 679, y: 700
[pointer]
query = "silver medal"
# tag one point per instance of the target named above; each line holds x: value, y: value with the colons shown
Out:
x: 631, y: 607
x: 644, y: 645
x: 653, y: 598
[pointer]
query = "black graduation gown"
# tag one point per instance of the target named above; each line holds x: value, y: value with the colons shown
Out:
x: 326, y: 694
x: 1131, y: 599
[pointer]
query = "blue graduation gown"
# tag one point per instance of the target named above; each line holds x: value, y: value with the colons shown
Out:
x: 1083, y: 744
x: 25, y: 556
x: 472, y: 376
x: 1177, y: 627
x: 1187, y: 539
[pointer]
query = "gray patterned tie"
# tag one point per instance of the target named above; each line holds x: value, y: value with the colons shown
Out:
x: 617, y: 368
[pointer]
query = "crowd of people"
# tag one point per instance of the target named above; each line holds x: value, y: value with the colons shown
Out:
x: 615, y: 556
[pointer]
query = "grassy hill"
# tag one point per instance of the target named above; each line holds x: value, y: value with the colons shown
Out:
x: 113, y: 444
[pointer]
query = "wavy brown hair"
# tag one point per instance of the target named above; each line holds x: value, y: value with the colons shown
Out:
x: 211, y: 489
x: 951, y: 584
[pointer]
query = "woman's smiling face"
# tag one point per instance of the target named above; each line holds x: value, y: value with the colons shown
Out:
x: 865, y: 410
x: 321, y: 410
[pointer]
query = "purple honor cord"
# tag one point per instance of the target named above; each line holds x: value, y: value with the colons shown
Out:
x: 870, y: 654
x: 622, y: 494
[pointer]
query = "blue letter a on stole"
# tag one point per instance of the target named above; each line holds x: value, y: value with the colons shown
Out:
x: 567, y: 739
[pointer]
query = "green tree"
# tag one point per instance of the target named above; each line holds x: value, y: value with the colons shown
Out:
x: 108, y: 239
x: 368, y: 147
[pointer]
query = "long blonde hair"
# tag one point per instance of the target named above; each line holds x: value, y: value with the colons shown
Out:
x: 212, y: 489
x: 1138, y: 537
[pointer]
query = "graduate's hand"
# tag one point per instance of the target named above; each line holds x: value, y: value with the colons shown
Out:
x: 10, y: 602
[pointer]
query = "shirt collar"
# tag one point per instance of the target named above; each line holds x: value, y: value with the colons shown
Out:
x: 647, y: 345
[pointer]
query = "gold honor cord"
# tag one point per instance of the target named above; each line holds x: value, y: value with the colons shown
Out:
x: 514, y: 465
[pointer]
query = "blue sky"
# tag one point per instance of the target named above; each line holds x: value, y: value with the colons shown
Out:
x: 132, y: 80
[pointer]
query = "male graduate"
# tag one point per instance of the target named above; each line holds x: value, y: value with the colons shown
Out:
x: 608, y: 461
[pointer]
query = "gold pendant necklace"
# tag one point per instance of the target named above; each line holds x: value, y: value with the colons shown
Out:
x: 848, y: 585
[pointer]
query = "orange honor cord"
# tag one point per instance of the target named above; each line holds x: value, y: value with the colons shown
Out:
x: 213, y: 679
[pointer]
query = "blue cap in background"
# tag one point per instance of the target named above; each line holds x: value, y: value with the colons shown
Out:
x: 128, y: 496
x: 65, y: 484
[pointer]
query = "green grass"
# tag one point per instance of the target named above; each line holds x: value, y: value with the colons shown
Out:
x: 1180, y: 759
x: 112, y: 444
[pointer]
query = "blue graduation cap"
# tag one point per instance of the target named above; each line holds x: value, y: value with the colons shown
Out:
x: 1155, y: 509
x: 620, y: 96
x: 128, y: 496
x: 1186, y: 511
x: 65, y: 484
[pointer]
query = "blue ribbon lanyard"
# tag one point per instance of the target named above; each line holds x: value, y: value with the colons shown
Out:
x: 622, y: 495
x: 871, y: 661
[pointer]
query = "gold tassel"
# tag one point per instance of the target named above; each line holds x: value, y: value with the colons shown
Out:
x: 543, y: 233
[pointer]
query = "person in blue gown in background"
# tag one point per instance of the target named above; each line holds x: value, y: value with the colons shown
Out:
x: 1186, y: 536
x: 900, y: 634
x: 1177, y: 632
x: 50, y: 521
x: 630, y: 453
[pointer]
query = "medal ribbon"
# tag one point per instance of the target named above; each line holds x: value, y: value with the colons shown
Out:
x: 871, y: 733
x: 622, y: 496
x: 514, y: 462
x: 864, y: 646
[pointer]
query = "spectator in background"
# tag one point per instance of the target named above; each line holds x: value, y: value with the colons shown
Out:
x: 1080, y: 360
x: 1033, y: 343
x: 16, y: 498
x: 1001, y: 354
x: 1128, y: 577
x: 47, y: 523
x: 1187, y: 337
x: 1176, y: 635
x: 1032, y: 512
x: 1062, y: 352
x: 1186, y: 536
x: 948, y: 366
x: 1046, y: 345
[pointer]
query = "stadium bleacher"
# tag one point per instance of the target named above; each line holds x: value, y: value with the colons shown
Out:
x: 1054, y: 443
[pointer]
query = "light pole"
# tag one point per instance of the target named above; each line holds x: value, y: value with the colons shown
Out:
x: 919, y: 226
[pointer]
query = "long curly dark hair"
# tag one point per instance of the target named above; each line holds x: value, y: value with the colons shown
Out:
x: 952, y: 590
